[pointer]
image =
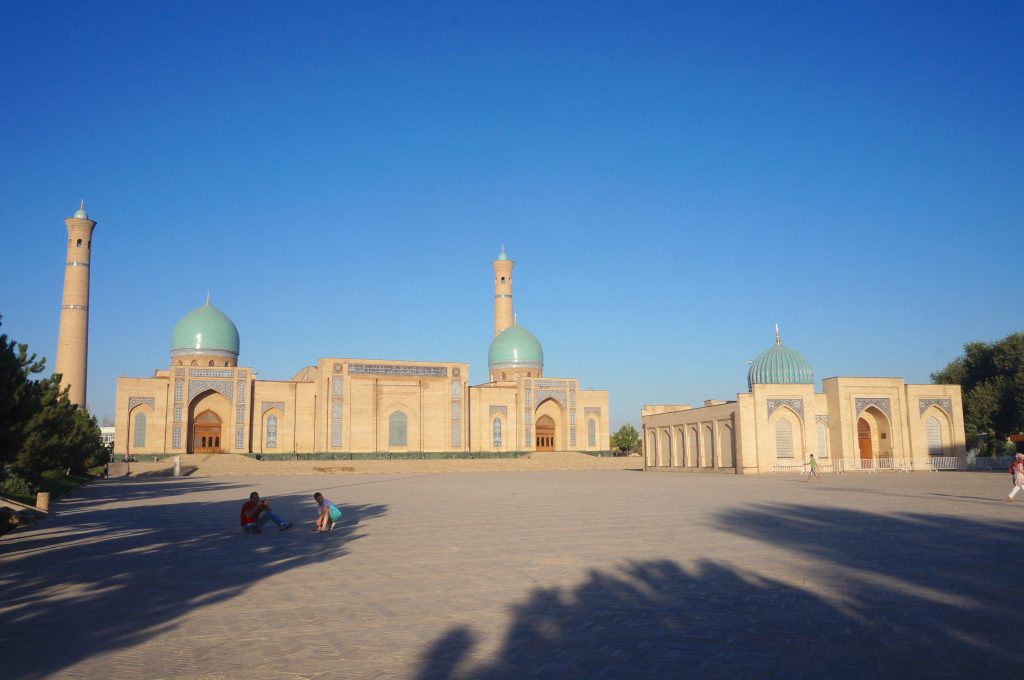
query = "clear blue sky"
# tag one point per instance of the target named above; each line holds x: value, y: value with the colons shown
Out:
x: 671, y: 179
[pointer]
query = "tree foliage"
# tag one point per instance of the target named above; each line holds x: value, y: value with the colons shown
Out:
x: 40, y: 429
x: 991, y: 376
x: 626, y: 439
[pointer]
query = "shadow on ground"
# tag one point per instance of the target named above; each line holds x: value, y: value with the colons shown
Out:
x: 133, y: 575
x: 876, y: 596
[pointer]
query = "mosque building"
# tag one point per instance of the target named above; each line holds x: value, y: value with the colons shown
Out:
x: 854, y: 423
x: 205, y: 402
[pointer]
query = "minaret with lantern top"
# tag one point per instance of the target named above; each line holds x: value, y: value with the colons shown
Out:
x: 73, y: 336
x: 503, y: 315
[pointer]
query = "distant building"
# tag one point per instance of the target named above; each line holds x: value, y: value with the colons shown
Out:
x: 206, y: 403
x: 107, y: 434
x: 868, y: 423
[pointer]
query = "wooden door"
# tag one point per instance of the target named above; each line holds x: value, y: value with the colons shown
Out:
x: 545, y: 434
x: 206, y: 433
x: 864, y: 440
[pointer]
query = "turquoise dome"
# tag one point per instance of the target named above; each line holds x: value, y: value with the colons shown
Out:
x: 80, y: 213
x: 205, y: 330
x: 780, y: 365
x: 515, y: 347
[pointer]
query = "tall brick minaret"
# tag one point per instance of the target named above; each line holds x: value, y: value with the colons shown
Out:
x: 503, y: 315
x: 73, y: 336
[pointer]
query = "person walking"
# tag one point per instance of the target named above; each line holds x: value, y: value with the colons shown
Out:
x: 1018, y: 476
x: 813, y: 471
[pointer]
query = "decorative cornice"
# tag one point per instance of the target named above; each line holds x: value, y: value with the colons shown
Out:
x: 503, y: 410
x: 881, y: 403
x: 943, y: 404
x: 222, y: 387
x: 135, y: 401
x: 267, y: 405
x: 795, y: 404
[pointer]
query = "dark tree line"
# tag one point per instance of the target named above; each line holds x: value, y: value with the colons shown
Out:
x: 991, y: 376
x: 40, y: 429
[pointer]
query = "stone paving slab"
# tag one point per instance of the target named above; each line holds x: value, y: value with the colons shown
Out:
x: 589, y: 574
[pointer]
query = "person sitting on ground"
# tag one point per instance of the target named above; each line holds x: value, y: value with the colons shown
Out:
x: 255, y: 514
x: 328, y: 515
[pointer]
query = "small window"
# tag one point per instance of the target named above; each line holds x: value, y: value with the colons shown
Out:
x: 79, y: 244
x: 211, y: 362
x: 503, y: 279
x: 272, y: 432
x: 503, y: 376
x: 216, y: 442
x: 195, y: 363
x: 140, y: 430
x: 591, y: 433
x: 933, y: 435
x: 783, y: 439
x: 496, y: 428
x: 398, y: 429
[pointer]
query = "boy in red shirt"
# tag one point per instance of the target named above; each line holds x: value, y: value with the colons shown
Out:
x: 251, y: 519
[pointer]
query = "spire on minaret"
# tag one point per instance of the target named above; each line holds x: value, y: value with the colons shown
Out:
x: 80, y: 213
x: 207, y: 298
x: 778, y: 341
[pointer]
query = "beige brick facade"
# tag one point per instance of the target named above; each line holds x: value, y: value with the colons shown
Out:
x: 347, y: 405
x: 854, y: 423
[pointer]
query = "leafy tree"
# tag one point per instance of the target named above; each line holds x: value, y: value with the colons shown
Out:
x: 40, y: 429
x: 991, y: 376
x: 626, y: 439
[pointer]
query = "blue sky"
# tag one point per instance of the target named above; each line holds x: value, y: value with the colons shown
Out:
x: 671, y: 179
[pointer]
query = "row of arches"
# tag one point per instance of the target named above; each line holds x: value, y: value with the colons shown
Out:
x: 697, y: 445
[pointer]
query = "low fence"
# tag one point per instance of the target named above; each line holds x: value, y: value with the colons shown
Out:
x: 998, y: 463
x: 872, y: 465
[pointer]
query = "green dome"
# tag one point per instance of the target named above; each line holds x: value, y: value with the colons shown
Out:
x: 515, y: 347
x: 205, y: 330
x: 780, y: 365
x: 80, y: 213
x: 502, y: 255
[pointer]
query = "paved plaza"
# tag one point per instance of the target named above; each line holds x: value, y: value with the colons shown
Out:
x: 589, y: 574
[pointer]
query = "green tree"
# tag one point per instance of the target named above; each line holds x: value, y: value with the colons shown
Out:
x: 40, y: 429
x: 626, y: 439
x: 991, y: 376
x: 18, y: 394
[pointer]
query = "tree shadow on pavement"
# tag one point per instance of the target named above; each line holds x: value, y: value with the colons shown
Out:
x: 873, y: 596
x: 89, y: 583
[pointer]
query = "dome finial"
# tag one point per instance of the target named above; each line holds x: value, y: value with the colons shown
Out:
x: 80, y: 213
x: 502, y: 255
x: 778, y: 340
x: 515, y: 319
x: 207, y: 298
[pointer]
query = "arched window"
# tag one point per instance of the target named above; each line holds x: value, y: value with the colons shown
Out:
x: 398, y: 429
x: 933, y: 434
x: 79, y: 244
x: 140, y: 430
x: 709, y: 446
x: 591, y: 432
x: 211, y: 362
x: 783, y: 438
x: 496, y: 428
x: 822, y: 441
x: 272, y: 432
x: 195, y: 363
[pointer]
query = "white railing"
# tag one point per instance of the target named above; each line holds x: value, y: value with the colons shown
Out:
x: 842, y: 465
x: 945, y: 463
x: 998, y: 463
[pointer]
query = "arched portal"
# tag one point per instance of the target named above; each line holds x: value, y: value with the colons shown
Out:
x: 666, y: 452
x: 206, y: 433
x: 545, y: 433
x: 873, y: 436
